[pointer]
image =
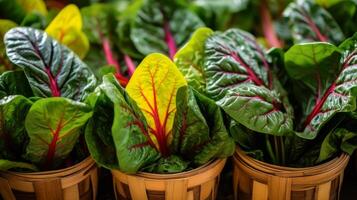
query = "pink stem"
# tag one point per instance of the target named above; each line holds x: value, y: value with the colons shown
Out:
x: 170, y: 41
x: 130, y: 64
x: 268, y: 26
x: 109, y: 55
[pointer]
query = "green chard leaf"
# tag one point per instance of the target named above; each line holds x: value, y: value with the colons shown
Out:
x: 162, y: 28
x: 326, y: 81
x: 239, y: 77
x: 98, y: 133
x: 189, y: 59
x: 54, y: 126
x: 220, y: 144
x: 51, y: 69
x: 13, y: 136
x: 310, y: 22
x: 134, y: 147
x: 14, y: 83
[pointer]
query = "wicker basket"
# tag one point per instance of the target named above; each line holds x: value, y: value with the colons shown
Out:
x: 253, y: 179
x: 197, y: 184
x: 75, y: 182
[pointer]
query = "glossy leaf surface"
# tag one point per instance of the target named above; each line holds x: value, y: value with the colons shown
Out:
x: 51, y: 69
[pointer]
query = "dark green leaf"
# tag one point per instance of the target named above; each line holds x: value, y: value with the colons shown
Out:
x: 14, y: 83
x: 169, y: 165
x: 240, y: 78
x: 51, y: 69
x: 309, y: 22
x: 98, y: 132
x: 325, y: 85
x: 7, y: 165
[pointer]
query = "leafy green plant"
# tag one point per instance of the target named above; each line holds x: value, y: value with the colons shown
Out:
x: 157, y: 123
x: 42, y: 107
x: 240, y: 76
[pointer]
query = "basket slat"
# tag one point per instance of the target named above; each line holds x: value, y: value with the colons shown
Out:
x: 70, y: 193
x: 323, y: 191
x: 50, y: 189
x: 5, y: 191
x: 260, y: 191
x: 176, y: 190
x: 137, y: 188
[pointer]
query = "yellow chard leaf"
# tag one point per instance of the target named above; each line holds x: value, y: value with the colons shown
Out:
x: 153, y: 87
x: 66, y: 27
x: 34, y: 6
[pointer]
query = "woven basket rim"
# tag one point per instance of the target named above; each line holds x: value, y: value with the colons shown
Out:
x: 336, y: 164
x: 54, y: 173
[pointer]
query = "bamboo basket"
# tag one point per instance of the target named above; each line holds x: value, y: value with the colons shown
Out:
x: 197, y: 184
x: 256, y: 180
x: 78, y: 182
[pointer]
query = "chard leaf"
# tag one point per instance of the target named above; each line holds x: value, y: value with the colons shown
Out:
x: 66, y: 28
x: 309, y: 22
x: 13, y: 137
x: 14, y: 83
x: 239, y: 77
x: 134, y: 146
x: 326, y: 86
x: 8, y: 164
x: 54, y: 126
x: 98, y: 133
x: 337, y: 140
x: 219, y: 145
x: 153, y: 87
x: 190, y: 130
x: 51, y: 69
x: 189, y: 59
x: 161, y: 28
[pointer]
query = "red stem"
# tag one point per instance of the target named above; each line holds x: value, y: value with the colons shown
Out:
x: 53, y: 84
x: 268, y: 26
x: 251, y: 74
x: 52, y: 146
x: 320, y: 102
x: 170, y: 40
x: 111, y: 61
x: 314, y: 28
x: 130, y: 64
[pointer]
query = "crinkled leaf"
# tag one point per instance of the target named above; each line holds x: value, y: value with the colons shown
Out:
x: 190, y: 130
x: 310, y: 22
x: 239, y: 77
x: 336, y: 141
x: 219, y: 145
x: 66, y: 28
x: 161, y: 28
x: 153, y: 87
x: 52, y: 69
x: 134, y: 146
x: 54, y: 126
x: 7, y: 165
x: 13, y: 136
x: 189, y: 59
x: 324, y: 86
x: 14, y: 83
x: 98, y: 132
